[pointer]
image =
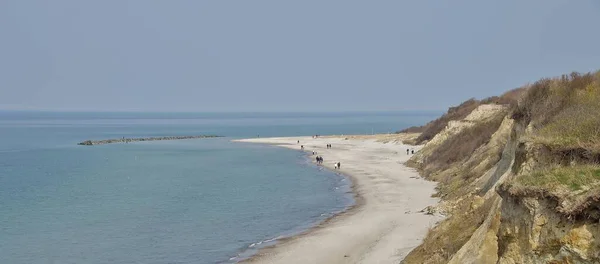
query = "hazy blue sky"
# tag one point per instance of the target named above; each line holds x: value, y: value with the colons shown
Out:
x: 284, y: 55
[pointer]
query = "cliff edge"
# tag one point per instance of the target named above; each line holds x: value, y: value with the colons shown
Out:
x: 519, y: 176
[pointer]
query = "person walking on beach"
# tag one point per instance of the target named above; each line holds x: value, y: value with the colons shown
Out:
x: 407, y: 151
x: 302, y: 147
x: 412, y: 151
x: 339, y: 165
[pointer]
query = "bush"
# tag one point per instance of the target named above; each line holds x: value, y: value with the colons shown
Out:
x: 510, y: 98
x: 564, y: 112
x: 547, y: 97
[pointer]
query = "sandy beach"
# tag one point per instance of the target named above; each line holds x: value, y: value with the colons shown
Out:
x: 386, y: 222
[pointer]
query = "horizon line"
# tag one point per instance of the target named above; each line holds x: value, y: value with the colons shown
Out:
x: 218, y: 112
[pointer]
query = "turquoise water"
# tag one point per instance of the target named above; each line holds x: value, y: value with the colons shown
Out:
x: 188, y: 201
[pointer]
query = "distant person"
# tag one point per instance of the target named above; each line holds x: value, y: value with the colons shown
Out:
x: 302, y: 147
x: 339, y: 165
x: 298, y: 142
x: 412, y: 151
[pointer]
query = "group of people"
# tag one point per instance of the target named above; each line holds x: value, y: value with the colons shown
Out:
x: 319, y: 160
x: 410, y: 151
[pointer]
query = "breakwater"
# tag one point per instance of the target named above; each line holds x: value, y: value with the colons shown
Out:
x: 127, y: 140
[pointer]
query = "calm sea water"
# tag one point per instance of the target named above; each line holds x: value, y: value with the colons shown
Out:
x: 188, y: 201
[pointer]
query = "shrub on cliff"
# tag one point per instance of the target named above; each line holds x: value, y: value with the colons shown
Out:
x: 454, y: 113
x: 564, y: 111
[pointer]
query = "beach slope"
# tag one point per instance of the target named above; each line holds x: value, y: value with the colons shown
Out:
x: 386, y: 222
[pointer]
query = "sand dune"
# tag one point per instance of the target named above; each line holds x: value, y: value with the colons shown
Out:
x: 384, y: 225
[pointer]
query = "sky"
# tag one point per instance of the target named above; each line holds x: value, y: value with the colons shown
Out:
x: 273, y: 56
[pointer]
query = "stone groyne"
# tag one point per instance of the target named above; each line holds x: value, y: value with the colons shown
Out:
x: 127, y: 140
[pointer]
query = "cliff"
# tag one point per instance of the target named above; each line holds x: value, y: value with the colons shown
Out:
x: 519, y: 176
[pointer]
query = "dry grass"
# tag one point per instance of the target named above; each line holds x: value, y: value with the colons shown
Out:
x: 444, y: 240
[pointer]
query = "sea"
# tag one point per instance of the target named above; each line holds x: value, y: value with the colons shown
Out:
x: 182, y: 201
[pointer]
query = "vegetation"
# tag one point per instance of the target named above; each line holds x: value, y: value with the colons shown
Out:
x: 558, y: 122
x: 454, y: 113
x: 429, y: 130
x: 564, y: 112
x: 412, y: 129
x: 510, y: 98
x: 459, y: 147
x: 444, y: 240
x: 573, y: 178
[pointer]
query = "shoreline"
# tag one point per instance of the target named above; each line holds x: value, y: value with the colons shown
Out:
x: 300, y: 247
x: 272, y: 242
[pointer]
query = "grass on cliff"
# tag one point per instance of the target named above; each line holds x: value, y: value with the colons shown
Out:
x: 564, y: 112
x: 574, y: 178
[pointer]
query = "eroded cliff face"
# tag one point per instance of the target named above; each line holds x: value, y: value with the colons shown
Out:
x: 480, y: 114
x: 531, y: 231
x: 492, y: 218
x: 468, y: 235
